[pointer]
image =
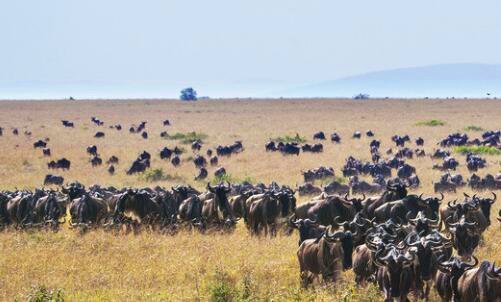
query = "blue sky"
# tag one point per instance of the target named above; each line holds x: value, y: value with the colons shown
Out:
x: 228, y: 47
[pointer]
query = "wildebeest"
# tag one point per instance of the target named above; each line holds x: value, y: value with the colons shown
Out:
x: 308, y: 229
x: 220, y: 172
x: 199, y: 161
x: 87, y: 210
x: 214, y: 161
x: 165, y: 153
x: 92, y: 150
x: 62, y: 163
x: 335, y: 138
x: 144, y: 134
x: 419, y: 141
x: 395, y: 274
x: 112, y: 160
x: 325, y: 256
x: 68, y: 124
x: 196, y: 145
x: 140, y: 164
x: 319, y: 135
x: 39, y: 144
x: 308, y: 189
x: 482, y: 284
x: 175, y: 161
x: 53, y: 180
x: 166, y: 123
x: 111, y: 169
x: 465, y: 236
x: 46, y: 152
x: 99, y: 134
x: 446, y: 279
x: 357, y: 134
x: 96, y: 161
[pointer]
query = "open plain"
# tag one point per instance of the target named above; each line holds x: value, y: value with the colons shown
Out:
x: 189, y: 266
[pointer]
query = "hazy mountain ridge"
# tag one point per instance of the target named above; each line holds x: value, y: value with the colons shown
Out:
x: 447, y: 80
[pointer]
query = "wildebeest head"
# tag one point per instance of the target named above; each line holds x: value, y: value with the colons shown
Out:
x: 74, y: 190
x: 398, y: 266
x: 286, y: 201
x: 54, y: 209
x: 465, y: 235
x: 355, y: 202
x: 426, y: 251
x: 346, y: 240
x: 398, y: 191
x: 308, y: 229
x: 422, y: 224
x: 485, y: 205
x: 221, y: 197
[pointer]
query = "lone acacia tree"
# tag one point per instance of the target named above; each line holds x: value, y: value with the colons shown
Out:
x: 188, y: 94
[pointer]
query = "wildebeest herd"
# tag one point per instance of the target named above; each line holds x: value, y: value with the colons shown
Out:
x: 405, y: 243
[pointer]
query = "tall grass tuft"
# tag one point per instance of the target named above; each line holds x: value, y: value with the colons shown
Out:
x: 290, y: 139
x: 187, y: 138
x: 431, y: 123
x: 43, y: 294
x: 478, y: 150
x: 473, y: 128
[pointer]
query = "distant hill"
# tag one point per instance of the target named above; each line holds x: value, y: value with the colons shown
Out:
x: 448, y: 80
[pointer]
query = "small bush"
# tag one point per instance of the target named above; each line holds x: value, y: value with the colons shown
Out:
x: 224, y: 178
x: 431, y: 123
x: 186, y: 138
x: 43, y: 294
x: 290, y: 139
x: 152, y: 175
x: 478, y: 150
x: 473, y: 128
x: 222, y: 287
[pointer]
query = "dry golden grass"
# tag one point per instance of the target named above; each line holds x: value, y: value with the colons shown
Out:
x: 189, y: 266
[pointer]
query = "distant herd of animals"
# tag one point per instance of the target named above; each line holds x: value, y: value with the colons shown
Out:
x: 405, y: 243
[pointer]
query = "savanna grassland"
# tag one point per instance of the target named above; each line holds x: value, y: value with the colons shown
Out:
x: 189, y: 266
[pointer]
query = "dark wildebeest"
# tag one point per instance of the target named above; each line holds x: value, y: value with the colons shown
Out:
x: 96, y: 161
x: 165, y: 153
x: 144, y: 135
x: 62, y: 163
x: 53, y: 180
x: 68, y: 124
x: 419, y: 141
x: 266, y: 210
x: 482, y: 284
x: 335, y: 138
x: 395, y: 274
x: 196, y: 145
x: 112, y: 160
x: 217, y: 209
x: 199, y: 161
x: 46, y: 151
x: 325, y: 256
x: 140, y: 205
x: 138, y: 166
x: 308, y: 229
x: 319, y: 135
x: 111, y: 169
x: 99, y: 134
x: 393, y: 192
x: 465, y: 236
x: 39, y: 144
x: 175, y: 161
x: 447, y: 277
x: 20, y: 208
x: 87, y: 210
x: 92, y: 150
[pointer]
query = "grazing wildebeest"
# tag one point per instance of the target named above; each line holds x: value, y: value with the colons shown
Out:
x: 140, y: 205
x: 482, y: 284
x: 68, y: 124
x: 220, y: 172
x: 87, y: 210
x: 53, y: 180
x: 308, y: 189
x: 218, y: 209
x: 112, y: 160
x: 319, y: 135
x: 140, y: 164
x: 99, y: 134
x: 419, y: 141
x: 196, y: 145
x: 166, y: 123
x: 39, y: 144
x: 111, y: 169
x: 175, y: 161
x: 96, y: 161
x: 144, y: 134
x: 199, y: 161
x: 325, y: 256
x: 165, y: 153
x: 214, y: 161
x: 357, y: 134
x: 46, y: 151
x: 335, y: 138
x: 92, y: 150
x: 62, y: 163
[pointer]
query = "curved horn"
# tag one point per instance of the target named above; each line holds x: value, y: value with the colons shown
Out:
x: 494, y: 199
x: 442, y: 196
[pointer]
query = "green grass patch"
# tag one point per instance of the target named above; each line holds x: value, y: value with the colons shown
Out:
x: 290, y: 139
x: 431, y: 123
x: 187, y: 138
x: 43, y: 294
x: 478, y: 150
x: 473, y: 128
x: 231, y: 179
x: 157, y: 174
